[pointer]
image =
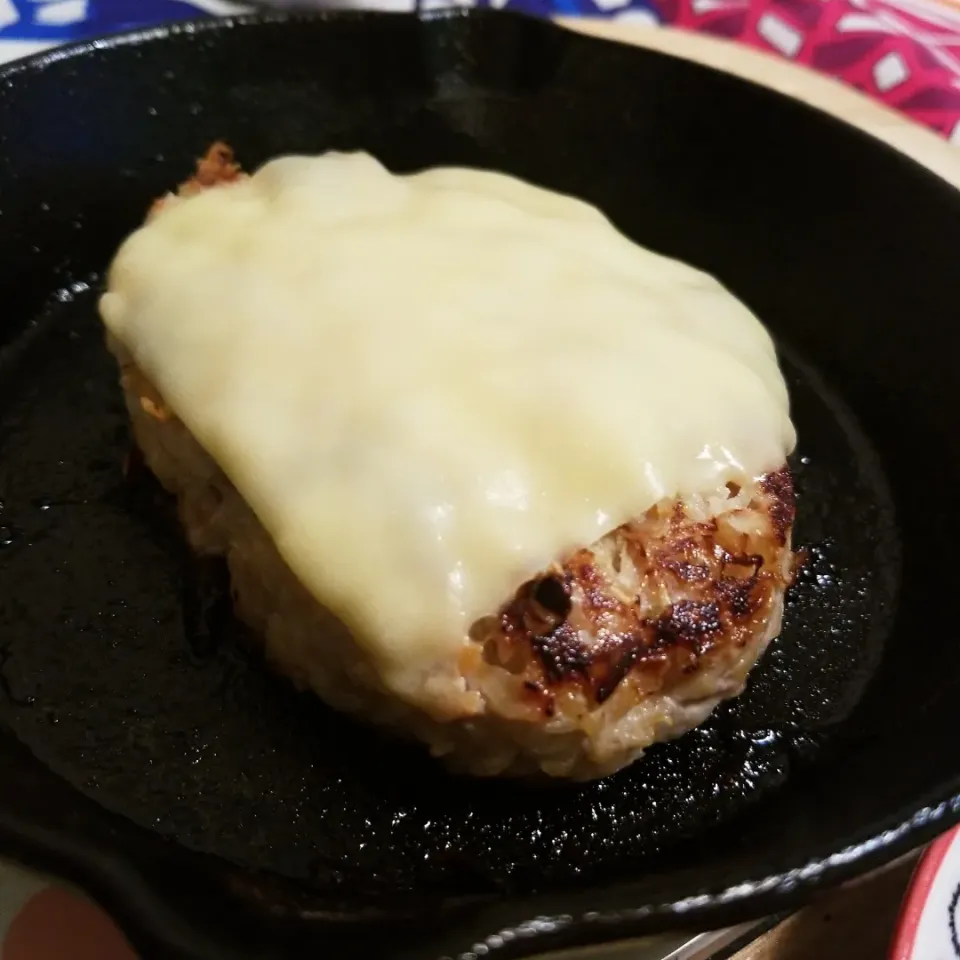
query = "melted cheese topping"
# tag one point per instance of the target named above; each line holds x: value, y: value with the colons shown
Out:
x: 429, y: 387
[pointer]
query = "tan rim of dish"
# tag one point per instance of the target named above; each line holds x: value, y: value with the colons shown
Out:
x: 795, y: 81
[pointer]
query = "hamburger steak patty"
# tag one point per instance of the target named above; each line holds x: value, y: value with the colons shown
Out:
x: 628, y: 641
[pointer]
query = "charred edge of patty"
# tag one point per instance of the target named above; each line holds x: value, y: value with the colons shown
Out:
x: 572, y: 630
x: 217, y: 166
x: 782, y: 503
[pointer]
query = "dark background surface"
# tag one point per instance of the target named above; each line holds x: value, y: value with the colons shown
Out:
x: 170, y: 772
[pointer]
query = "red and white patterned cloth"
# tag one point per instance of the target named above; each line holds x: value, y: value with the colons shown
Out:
x: 903, y: 52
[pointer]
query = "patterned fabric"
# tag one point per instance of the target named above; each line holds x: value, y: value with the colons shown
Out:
x: 59, y: 21
x: 904, y: 52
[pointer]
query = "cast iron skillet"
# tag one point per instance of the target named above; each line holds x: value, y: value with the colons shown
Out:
x: 148, y: 755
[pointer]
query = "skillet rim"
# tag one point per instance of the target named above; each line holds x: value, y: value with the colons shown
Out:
x: 121, y: 879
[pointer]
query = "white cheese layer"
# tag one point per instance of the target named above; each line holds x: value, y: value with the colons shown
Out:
x: 429, y: 387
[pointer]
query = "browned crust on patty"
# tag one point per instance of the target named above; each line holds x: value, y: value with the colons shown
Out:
x: 701, y: 588
x: 779, y: 485
x: 217, y: 166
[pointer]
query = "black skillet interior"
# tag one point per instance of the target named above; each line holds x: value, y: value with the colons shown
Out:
x: 145, y: 751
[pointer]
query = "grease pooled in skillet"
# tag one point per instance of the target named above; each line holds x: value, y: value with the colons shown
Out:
x: 131, y: 678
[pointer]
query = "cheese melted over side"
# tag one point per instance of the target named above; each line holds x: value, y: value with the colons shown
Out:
x: 429, y: 387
